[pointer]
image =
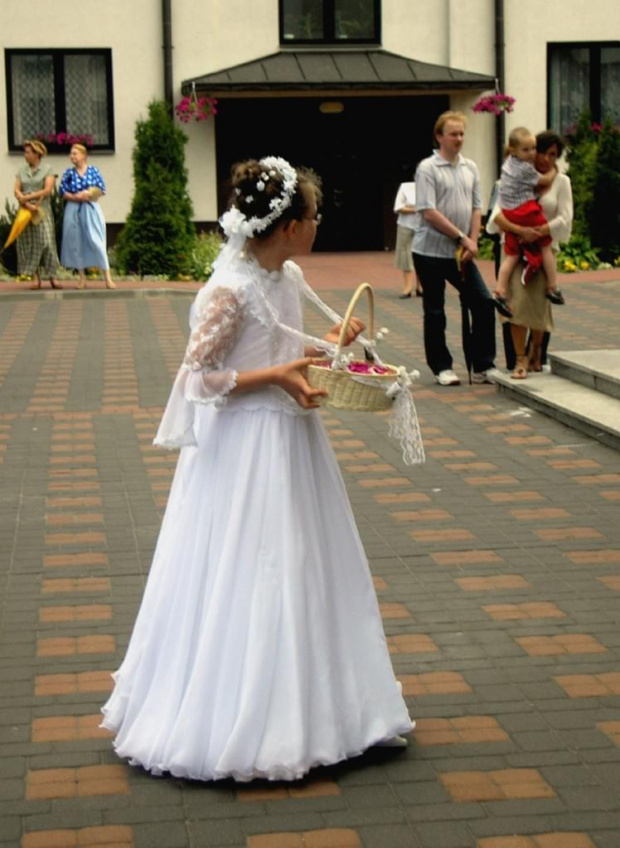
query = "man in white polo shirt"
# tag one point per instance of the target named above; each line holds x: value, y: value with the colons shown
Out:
x: 449, y: 204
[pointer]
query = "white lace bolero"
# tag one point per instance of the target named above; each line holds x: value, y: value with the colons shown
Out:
x: 235, y: 326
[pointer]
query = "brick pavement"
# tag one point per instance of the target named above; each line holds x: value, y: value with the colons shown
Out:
x: 496, y: 567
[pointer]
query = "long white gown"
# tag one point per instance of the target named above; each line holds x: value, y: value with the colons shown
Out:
x: 258, y: 651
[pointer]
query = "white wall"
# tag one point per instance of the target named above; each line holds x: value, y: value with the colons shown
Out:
x: 207, y: 37
x: 137, y: 75
x: 526, y: 47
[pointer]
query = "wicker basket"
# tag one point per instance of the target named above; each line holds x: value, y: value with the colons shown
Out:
x: 345, y: 388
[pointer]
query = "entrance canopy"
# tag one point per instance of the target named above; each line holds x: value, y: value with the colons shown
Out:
x: 322, y: 70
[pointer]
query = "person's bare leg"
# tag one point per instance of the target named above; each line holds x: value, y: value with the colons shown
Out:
x: 81, y: 283
x: 550, y: 267
x: 109, y: 282
x: 518, y: 339
x: 408, y: 283
x: 37, y: 282
x: 418, y: 285
x: 509, y: 263
x: 535, y: 360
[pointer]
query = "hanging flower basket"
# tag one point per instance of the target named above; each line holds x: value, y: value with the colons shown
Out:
x: 495, y: 103
x: 195, y: 108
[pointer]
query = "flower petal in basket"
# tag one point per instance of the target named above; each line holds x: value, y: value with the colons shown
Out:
x: 349, y: 388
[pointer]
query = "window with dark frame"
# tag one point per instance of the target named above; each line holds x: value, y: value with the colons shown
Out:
x: 54, y: 91
x: 330, y: 21
x: 583, y: 76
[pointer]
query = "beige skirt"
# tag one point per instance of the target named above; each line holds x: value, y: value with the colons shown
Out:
x: 403, y: 258
x: 530, y: 307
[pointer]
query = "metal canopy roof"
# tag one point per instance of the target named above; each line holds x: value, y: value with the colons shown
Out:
x: 337, y: 69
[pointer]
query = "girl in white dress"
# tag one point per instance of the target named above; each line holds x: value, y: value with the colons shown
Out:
x: 258, y: 651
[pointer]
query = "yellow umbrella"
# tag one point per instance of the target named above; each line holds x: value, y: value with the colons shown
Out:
x: 22, y: 219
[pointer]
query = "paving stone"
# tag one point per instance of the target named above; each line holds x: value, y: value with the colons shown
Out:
x: 215, y: 834
x: 162, y: 835
x: 389, y: 836
x: 539, y: 539
x: 444, y: 834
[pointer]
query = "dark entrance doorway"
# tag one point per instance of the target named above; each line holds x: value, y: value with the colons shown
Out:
x: 362, y: 152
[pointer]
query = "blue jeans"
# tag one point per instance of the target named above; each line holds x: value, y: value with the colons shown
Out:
x: 475, y: 298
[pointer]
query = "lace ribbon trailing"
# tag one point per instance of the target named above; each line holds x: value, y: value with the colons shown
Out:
x: 403, y: 421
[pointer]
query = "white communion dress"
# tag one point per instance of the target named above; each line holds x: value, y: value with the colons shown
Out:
x: 258, y: 650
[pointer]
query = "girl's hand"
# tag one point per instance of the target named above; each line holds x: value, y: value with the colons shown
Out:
x: 353, y: 330
x: 291, y: 378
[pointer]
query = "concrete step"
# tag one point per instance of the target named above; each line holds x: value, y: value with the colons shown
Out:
x: 596, y: 369
x: 585, y: 409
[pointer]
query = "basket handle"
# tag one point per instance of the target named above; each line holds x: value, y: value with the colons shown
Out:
x: 359, y: 291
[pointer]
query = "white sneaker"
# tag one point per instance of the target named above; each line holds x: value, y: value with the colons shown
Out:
x: 447, y: 378
x: 484, y: 376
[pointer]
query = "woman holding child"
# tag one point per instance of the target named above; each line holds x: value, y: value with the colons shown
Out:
x: 530, y: 304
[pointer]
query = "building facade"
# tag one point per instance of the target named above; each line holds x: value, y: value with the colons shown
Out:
x: 349, y: 87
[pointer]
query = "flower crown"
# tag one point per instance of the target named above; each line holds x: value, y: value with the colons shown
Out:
x: 234, y: 221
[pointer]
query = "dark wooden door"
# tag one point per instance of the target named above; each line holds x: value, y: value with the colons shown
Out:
x: 362, y: 154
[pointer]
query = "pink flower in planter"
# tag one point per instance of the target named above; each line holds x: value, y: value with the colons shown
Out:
x: 196, y: 108
x: 495, y: 103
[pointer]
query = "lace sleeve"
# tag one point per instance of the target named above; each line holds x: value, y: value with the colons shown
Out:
x: 214, y: 334
x: 202, y: 377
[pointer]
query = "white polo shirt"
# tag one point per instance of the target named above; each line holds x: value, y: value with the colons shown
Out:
x: 454, y: 190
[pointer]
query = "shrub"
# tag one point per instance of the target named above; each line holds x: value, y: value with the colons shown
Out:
x: 582, y: 153
x: 158, y: 236
x: 206, y: 249
x: 486, y: 247
x: 578, y: 255
x: 605, y: 207
x: 57, y: 204
x: 8, y: 257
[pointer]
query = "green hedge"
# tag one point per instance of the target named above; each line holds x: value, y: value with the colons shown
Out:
x: 158, y: 237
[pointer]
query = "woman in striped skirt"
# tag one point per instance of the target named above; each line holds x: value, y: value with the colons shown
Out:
x: 37, y: 257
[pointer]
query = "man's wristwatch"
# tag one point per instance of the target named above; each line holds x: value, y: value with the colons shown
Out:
x: 460, y: 237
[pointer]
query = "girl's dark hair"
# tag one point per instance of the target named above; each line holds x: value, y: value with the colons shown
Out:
x: 245, y: 177
x: 547, y: 138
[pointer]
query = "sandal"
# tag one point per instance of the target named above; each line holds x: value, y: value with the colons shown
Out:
x: 555, y: 296
x: 520, y: 372
x: 501, y: 304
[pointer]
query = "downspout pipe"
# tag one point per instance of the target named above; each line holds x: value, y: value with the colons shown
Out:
x: 167, y: 47
x: 500, y: 81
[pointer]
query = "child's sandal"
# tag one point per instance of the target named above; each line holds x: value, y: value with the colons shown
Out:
x: 555, y: 296
x: 501, y: 304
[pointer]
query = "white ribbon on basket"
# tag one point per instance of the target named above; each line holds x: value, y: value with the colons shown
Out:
x: 403, y: 421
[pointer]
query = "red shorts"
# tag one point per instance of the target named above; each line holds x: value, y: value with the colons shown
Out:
x: 529, y: 214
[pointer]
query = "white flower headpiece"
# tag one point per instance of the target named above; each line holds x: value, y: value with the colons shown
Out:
x: 234, y: 222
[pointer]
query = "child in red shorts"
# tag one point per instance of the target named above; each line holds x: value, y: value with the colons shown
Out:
x: 519, y: 204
